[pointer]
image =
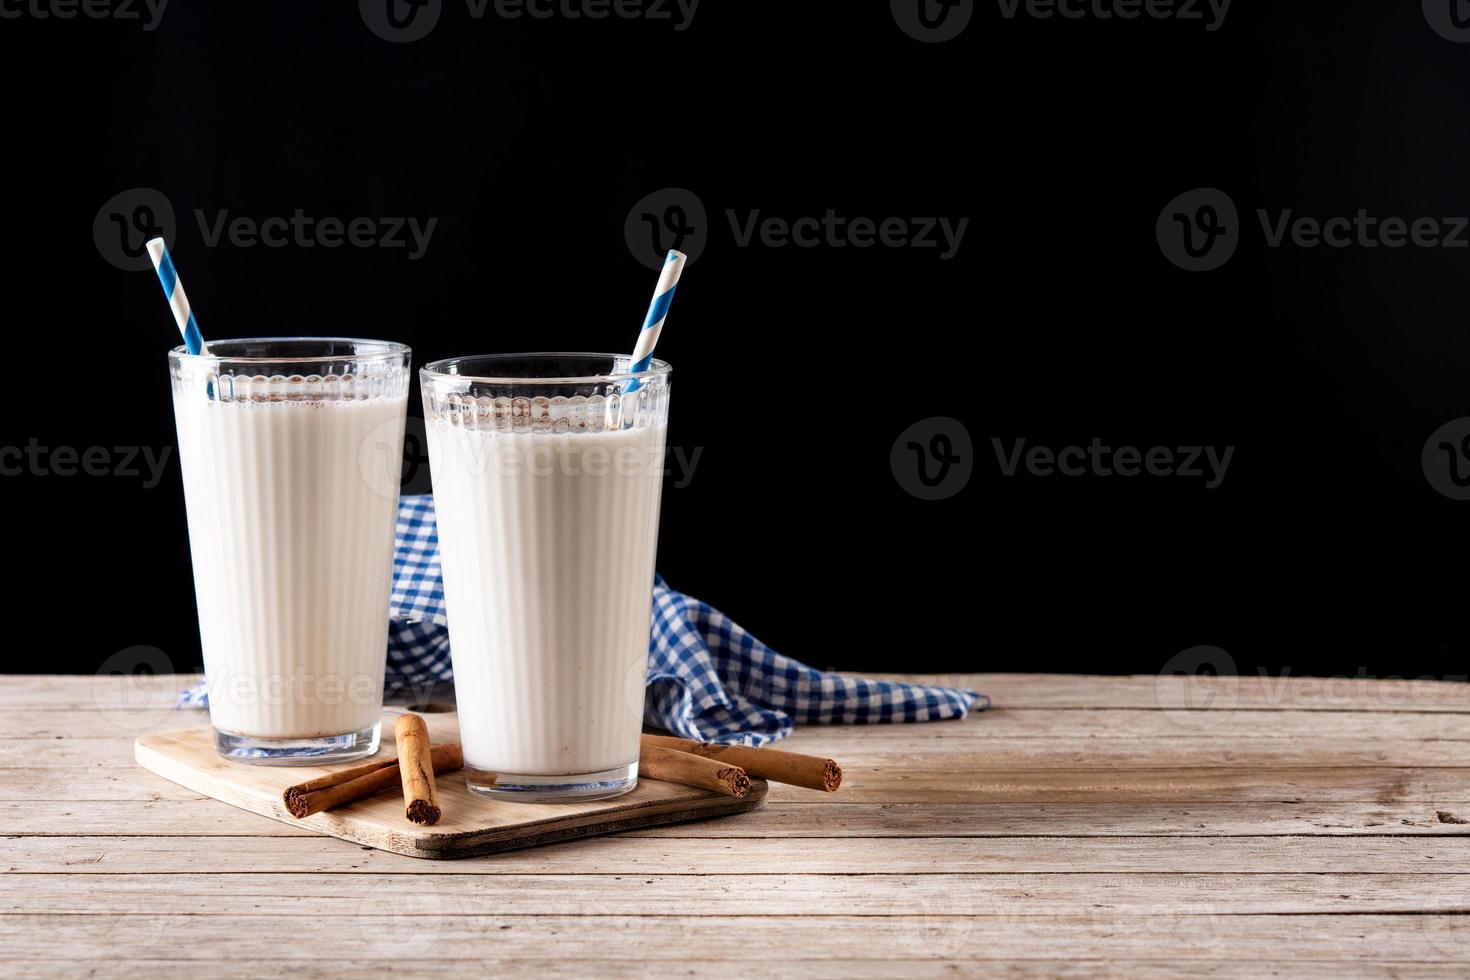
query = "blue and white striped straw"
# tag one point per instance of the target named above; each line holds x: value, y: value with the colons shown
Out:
x: 173, y: 291
x: 658, y: 311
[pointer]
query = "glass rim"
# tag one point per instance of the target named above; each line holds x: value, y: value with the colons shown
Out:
x: 386, y: 350
x: 436, y: 369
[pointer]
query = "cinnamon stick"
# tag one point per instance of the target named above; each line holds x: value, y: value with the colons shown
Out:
x: 673, y: 766
x: 350, y: 785
x: 416, y: 767
x: 792, y: 768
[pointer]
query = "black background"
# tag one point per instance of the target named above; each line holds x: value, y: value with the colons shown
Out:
x: 1325, y: 549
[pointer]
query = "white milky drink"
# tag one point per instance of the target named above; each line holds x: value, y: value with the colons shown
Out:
x: 547, y: 508
x: 291, y: 469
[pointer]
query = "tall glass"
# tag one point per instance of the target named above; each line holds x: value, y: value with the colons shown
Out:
x: 291, y: 451
x: 547, y: 470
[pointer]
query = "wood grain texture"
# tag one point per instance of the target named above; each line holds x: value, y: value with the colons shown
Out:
x: 292, y: 895
x: 797, y: 967
x: 1132, y: 826
x: 141, y: 692
x: 969, y: 755
x: 641, y: 932
x: 1244, y: 726
x: 470, y: 826
x: 629, y: 855
x: 200, y: 816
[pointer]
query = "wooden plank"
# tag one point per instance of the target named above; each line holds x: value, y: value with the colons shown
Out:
x: 797, y: 967
x: 1181, y: 694
x: 202, y: 817
x: 77, y: 724
x: 311, y: 895
x: 1447, y: 788
x: 957, y: 755
x: 916, y: 752
x: 1000, y: 723
x: 87, y: 785
x: 1152, y: 753
x: 1130, y: 723
x: 1176, y: 693
x: 119, y: 692
x: 206, y: 937
x: 1383, y: 785
x: 695, y: 856
x: 196, y: 817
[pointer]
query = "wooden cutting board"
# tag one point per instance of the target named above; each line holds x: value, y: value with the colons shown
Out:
x: 471, y: 825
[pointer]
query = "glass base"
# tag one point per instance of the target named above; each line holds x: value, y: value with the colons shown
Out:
x: 297, y: 751
x: 573, y: 787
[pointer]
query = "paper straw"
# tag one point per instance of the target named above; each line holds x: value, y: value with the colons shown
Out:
x: 173, y: 291
x: 658, y: 311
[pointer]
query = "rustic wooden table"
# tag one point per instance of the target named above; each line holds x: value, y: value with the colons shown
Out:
x: 1135, y: 825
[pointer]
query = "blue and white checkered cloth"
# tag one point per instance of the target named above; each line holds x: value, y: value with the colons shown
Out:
x: 708, y: 679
